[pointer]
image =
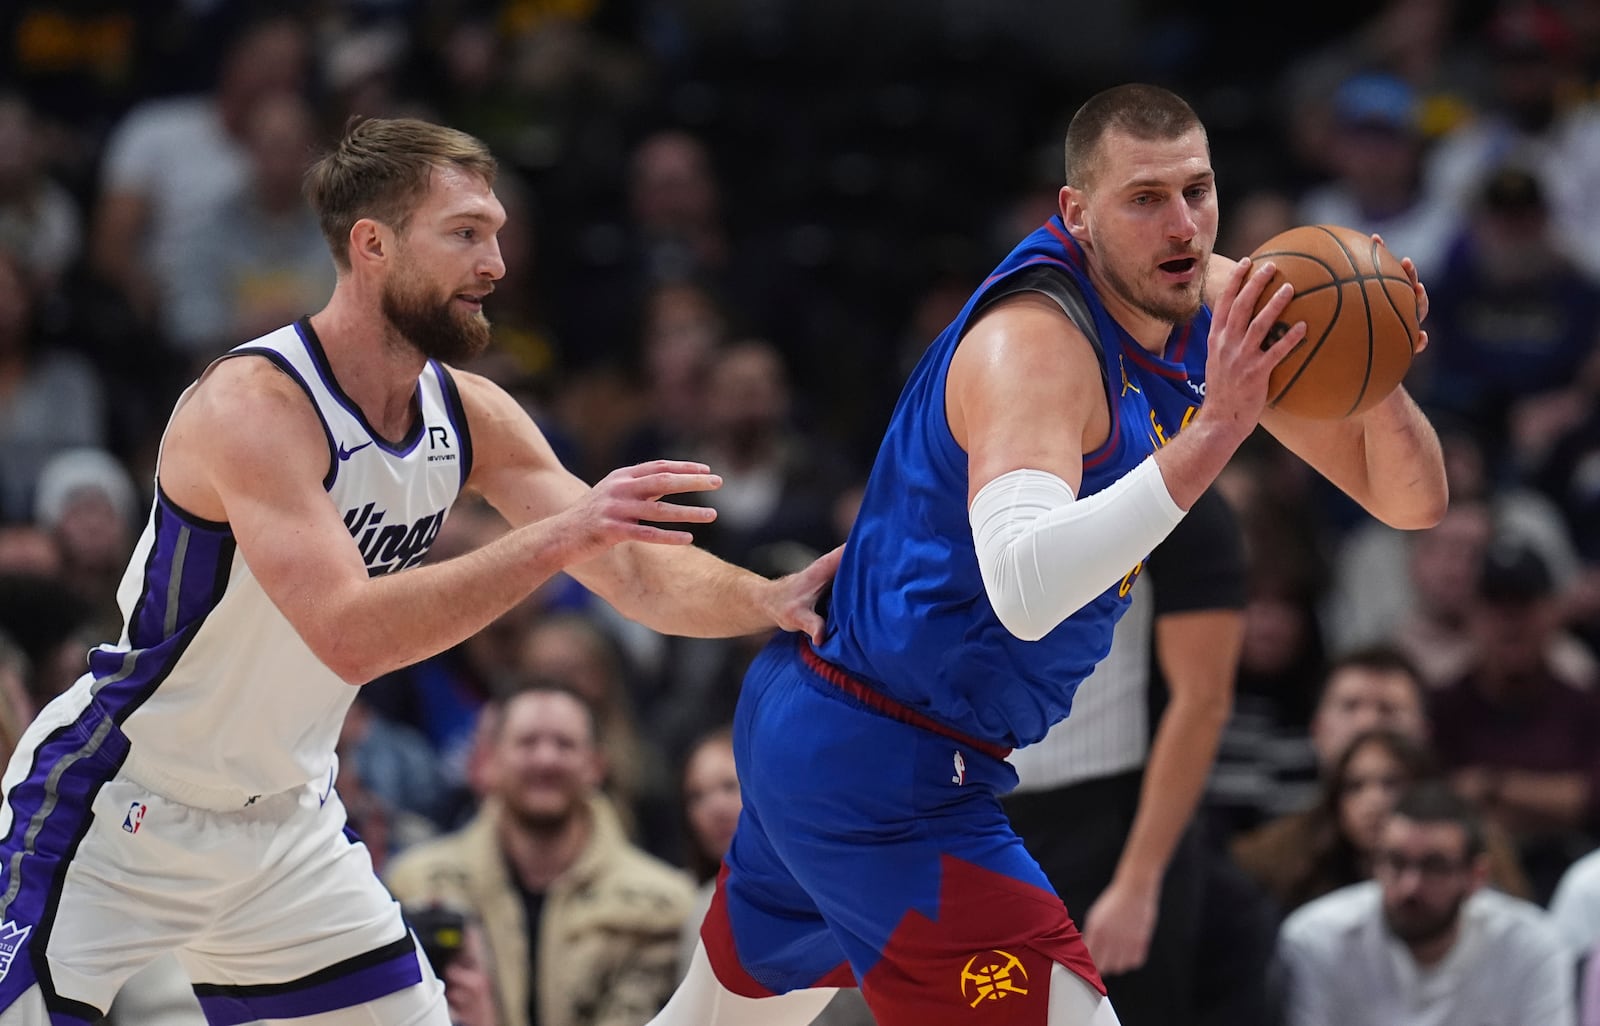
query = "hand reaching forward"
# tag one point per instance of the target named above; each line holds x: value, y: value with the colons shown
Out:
x: 627, y: 505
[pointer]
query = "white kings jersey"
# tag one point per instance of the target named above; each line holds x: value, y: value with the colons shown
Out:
x: 219, y: 698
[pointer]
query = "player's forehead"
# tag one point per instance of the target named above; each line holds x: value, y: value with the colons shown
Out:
x: 1127, y: 162
x: 455, y: 194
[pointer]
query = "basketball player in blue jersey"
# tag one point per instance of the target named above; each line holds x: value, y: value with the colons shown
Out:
x: 179, y: 797
x: 1089, y: 391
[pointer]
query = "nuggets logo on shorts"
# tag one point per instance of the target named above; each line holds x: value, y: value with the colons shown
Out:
x: 992, y: 976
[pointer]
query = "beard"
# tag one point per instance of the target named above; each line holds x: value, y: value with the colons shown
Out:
x: 1164, y: 305
x: 434, y: 327
x: 1417, y: 924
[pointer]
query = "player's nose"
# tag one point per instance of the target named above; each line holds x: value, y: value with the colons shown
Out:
x: 492, y: 265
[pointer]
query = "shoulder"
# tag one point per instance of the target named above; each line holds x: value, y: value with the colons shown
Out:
x: 1514, y: 922
x: 1328, y: 923
x: 157, y: 122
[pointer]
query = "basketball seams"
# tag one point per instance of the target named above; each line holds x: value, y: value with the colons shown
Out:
x: 1351, y: 359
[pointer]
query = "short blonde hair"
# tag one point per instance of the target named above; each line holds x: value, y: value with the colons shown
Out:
x: 381, y: 169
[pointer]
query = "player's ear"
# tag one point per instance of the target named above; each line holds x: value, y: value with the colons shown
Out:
x: 1070, y: 201
x: 368, y: 241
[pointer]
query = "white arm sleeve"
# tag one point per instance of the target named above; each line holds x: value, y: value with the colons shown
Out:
x: 1044, y: 555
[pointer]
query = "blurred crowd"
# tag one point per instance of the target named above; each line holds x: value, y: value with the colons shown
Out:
x: 733, y: 225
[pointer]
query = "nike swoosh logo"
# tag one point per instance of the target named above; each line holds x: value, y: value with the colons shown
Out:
x: 345, y: 454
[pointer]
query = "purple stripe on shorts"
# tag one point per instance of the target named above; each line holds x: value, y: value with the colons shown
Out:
x: 320, y: 992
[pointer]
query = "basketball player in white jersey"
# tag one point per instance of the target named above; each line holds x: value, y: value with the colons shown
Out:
x: 179, y: 797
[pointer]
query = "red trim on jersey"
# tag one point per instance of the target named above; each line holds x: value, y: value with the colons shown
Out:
x: 879, y: 702
x: 985, y: 958
x: 1149, y: 363
x: 1074, y: 253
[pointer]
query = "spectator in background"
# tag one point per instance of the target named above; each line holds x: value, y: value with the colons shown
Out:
x: 1426, y: 941
x: 89, y: 504
x: 573, y: 648
x: 582, y: 926
x: 172, y: 163
x: 51, y: 399
x: 1329, y: 845
x: 778, y: 481
x: 1516, y: 737
x: 1376, y: 155
x: 40, y: 223
x: 237, y: 289
x: 16, y: 707
x: 1515, y: 325
x: 1538, y: 111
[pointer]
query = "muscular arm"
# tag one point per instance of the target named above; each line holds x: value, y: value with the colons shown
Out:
x: 1024, y: 398
x: 679, y: 590
x: 246, y: 447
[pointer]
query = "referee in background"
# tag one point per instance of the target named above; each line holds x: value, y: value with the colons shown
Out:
x: 1107, y: 800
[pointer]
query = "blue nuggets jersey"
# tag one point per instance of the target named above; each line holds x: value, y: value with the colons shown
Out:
x: 909, y: 612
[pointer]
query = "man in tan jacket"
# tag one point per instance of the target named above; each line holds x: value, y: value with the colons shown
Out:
x: 579, y: 927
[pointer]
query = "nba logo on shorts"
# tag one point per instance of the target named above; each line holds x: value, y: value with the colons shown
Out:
x: 961, y: 770
x: 11, y: 940
x: 135, y: 816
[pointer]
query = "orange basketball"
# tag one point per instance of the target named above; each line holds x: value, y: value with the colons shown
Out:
x: 1361, y: 321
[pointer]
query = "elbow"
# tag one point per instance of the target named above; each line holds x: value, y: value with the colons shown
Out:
x: 1015, y: 618
x: 345, y: 658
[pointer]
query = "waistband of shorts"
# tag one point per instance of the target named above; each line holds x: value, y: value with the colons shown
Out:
x: 881, y: 703
x: 211, y: 797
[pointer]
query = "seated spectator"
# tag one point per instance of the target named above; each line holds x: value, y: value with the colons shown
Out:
x: 50, y: 399
x: 171, y: 163
x: 1426, y: 942
x: 88, y: 502
x: 273, y: 266
x: 546, y: 861
x: 1575, y: 907
x: 1371, y: 687
x: 1516, y: 737
x: 40, y: 223
x: 1330, y: 845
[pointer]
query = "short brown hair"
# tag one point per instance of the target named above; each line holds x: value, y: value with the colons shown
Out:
x: 380, y: 169
x: 1142, y: 111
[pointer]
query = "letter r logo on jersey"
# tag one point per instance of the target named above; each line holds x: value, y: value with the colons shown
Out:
x: 135, y: 816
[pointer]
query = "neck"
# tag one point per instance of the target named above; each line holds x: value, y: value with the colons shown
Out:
x: 1151, y: 333
x: 539, y: 856
x: 375, y: 367
x: 1430, y: 953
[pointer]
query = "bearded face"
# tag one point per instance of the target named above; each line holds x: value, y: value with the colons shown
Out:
x: 439, y: 324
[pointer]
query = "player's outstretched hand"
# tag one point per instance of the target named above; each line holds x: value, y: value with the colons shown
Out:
x: 1243, y: 346
x: 628, y: 505
x: 792, y: 600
